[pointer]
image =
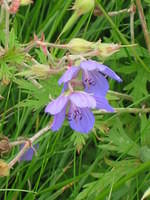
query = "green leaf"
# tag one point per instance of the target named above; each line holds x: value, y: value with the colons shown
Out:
x: 138, y: 86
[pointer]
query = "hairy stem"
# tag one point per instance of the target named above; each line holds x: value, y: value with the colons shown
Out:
x: 7, y: 30
x: 132, y: 13
x: 2, y: 14
x: 120, y: 95
x: 28, y: 143
x: 126, y: 110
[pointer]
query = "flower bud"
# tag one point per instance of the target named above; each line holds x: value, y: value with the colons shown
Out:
x: 14, y: 7
x: 4, y: 145
x: 78, y: 45
x: 25, y: 2
x: 5, y: 80
x: 4, y: 168
x: 1, y: 2
x: 40, y: 71
x: 83, y: 6
x: 105, y: 49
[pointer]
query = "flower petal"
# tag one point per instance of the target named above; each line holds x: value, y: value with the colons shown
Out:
x: 65, y: 87
x: 81, y: 119
x: 56, y: 105
x: 58, y: 120
x: 95, y: 83
x: 102, y: 104
x: 107, y: 71
x: 82, y: 99
x: 69, y: 74
x: 27, y: 156
x: 88, y: 65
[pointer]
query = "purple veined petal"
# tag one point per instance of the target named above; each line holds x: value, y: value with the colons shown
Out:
x: 102, y: 104
x: 81, y: 119
x: 57, y: 105
x: 88, y: 65
x: 83, y: 100
x: 27, y: 156
x: 107, y: 71
x: 71, y: 73
x: 58, y: 120
x: 95, y: 83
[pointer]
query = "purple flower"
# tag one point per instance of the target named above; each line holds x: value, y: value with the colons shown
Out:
x: 93, y: 77
x: 102, y: 104
x: 76, y: 106
x: 27, y: 156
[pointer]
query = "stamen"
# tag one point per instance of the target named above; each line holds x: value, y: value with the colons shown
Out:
x: 90, y: 81
x: 75, y: 115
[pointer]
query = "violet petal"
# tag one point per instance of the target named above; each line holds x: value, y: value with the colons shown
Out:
x: 81, y: 119
x: 57, y: 105
x: 69, y: 75
x: 58, y: 120
x: 82, y: 99
x: 95, y: 83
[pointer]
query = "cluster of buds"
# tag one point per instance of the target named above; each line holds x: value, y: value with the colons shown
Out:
x: 102, y: 50
x: 40, y: 71
x: 78, y: 46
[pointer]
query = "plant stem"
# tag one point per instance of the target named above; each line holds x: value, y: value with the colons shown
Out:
x: 125, y: 110
x: 28, y: 144
x: 98, y: 12
x: 132, y: 13
x: 2, y: 14
x: 143, y: 23
x: 15, y: 143
x: 7, y: 30
x: 120, y: 95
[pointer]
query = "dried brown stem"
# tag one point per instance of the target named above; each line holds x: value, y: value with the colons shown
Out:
x: 132, y: 13
x: 98, y: 12
x: 143, y: 23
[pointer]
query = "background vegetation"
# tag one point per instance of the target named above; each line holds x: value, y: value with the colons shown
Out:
x: 113, y: 161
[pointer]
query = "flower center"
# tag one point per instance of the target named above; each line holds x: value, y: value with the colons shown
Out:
x: 74, y: 115
x: 90, y: 81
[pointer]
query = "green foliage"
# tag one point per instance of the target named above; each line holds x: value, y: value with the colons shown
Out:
x: 113, y: 161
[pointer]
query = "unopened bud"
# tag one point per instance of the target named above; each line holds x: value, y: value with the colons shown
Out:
x: 4, y: 145
x: 40, y: 71
x: 5, y: 80
x: 4, y: 168
x: 78, y: 45
x: 25, y: 2
x: 83, y: 6
x: 105, y: 49
x: 1, y: 2
x: 14, y: 7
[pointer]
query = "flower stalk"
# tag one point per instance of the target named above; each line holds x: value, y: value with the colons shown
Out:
x: 28, y: 143
x: 6, y: 26
x: 125, y: 110
x: 143, y: 23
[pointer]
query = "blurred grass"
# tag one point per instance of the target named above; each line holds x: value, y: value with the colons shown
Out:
x: 112, y: 163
